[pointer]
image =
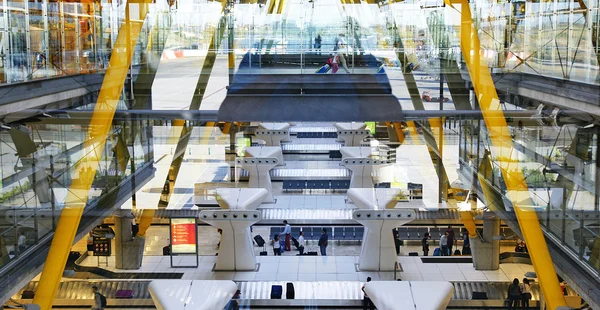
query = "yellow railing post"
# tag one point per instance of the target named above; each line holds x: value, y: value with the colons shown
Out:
x: 98, y: 130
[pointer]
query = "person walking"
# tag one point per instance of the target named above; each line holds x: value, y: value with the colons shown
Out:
x: 525, y: 293
x: 444, y: 244
x: 425, y: 244
x: 514, y: 294
x: 276, y: 246
x: 367, y: 302
x: 450, y: 239
x: 287, y: 234
x: 339, y: 46
x: 99, y: 299
x: 323, y: 242
x: 301, y: 243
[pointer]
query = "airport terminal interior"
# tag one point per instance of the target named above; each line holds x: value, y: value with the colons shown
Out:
x: 300, y: 154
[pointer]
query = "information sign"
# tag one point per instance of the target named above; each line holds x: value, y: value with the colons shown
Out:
x: 183, y: 236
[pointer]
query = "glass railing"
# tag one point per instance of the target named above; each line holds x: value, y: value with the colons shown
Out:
x: 34, y: 187
x: 561, y: 184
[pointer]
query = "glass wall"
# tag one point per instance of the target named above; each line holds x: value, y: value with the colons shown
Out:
x: 39, y: 162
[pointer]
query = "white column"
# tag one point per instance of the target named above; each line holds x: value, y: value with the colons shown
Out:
x: 378, y: 251
x: 236, y: 251
x: 362, y: 169
x: 353, y: 137
x: 259, y: 168
x: 266, y: 151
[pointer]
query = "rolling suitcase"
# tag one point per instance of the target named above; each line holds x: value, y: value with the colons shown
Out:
x: 311, y: 253
x: 263, y: 252
x: 437, y: 252
x: 276, y: 291
x: 324, y: 69
x: 259, y: 240
x: 289, y: 291
x: 456, y: 252
x: 295, y: 242
x: 467, y: 251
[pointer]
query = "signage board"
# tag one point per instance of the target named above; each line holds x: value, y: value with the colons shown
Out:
x: 183, y: 236
x: 101, y: 246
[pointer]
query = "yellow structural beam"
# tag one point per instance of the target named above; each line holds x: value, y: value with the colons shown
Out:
x: 100, y: 125
x: 469, y: 221
x: 497, y: 127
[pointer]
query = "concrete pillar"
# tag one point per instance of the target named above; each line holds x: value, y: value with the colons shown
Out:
x: 128, y: 251
x: 486, y: 251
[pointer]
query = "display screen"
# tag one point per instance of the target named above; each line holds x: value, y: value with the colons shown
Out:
x: 371, y: 127
x: 183, y: 236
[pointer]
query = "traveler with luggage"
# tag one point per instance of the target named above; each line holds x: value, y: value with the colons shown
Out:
x: 339, y: 46
x: 514, y: 294
x: 276, y: 246
x: 301, y: 243
x: 525, y: 293
x: 425, y: 244
x: 444, y: 244
x: 323, y: 242
x: 287, y: 234
x: 367, y: 303
x: 99, y: 299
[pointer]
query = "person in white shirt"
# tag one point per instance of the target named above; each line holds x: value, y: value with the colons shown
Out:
x: 444, y: 244
x: 301, y: 243
x: 340, y: 45
x: 276, y: 246
x: 21, y: 242
x: 525, y: 293
x: 287, y: 234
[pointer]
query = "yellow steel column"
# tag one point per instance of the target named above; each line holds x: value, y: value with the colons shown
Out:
x: 501, y: 140
x: 100, y: 124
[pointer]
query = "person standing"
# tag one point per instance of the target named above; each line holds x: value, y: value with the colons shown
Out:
x: 367, y: 303
x: 22, y: 242
x: 514, y: 294
x: 466, y: 249
x: 444, y: 244
x: 425, y: 244
x: 99, y: 299
x: 525, y: 293
x: 301, y: 243
x: 318, y: 40
x: 396, y: 240
x: 450, y: 240
x: 323, y: 242
x: 339, y: 46
x: 287, y: 234
x: 276, y: 246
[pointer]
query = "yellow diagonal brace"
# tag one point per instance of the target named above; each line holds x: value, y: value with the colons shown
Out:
x: 281, y: 6
x: 501, y: 140
x: 469, y: 221
x: 100, y: 124
x: 272, y: 6
x: 412, y: 129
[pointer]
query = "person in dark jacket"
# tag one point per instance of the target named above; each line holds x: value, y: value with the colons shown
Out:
x: 425, y: 244
x: 514, y: 294
x: 450, y: 239
x: 466, y: 249
x: 323, y: 242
